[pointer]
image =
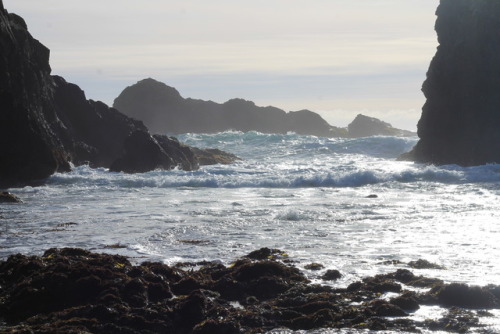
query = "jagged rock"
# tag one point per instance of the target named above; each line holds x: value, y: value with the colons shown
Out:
x: 77, y: 291
x: 29, y: 149
x: 46, y: 122
x: 92, y: 132
x: 164, y: 110
x: 214, y: 156
x: 364, y: 126
x: 6, y: 197
x: 460, y: 122
x: 424, y: 264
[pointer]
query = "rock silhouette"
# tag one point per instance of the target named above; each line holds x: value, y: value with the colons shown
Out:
x: 47, y: 123
x: 164, y: 110
x: 460, y: 122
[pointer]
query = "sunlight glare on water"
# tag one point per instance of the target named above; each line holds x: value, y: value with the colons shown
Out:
x: 345, y: 203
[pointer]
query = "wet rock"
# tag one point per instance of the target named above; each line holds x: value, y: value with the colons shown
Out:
x: 192, y: 309
x: 462, y: 295
x: 376, y: 284
x: 331, y: 275
x: 314, y: 266
x: 142, y: 153
x: 455, y: 320
x: 211, y: 326
x: 75, y: 291
x: 424, y: 264
x: 383, y: 308
x: 213, y: 156
x: 186, y: 285
x: 6, y: 197
x: 247, y: 271
x: 321, y: 318
x: 265, y: 253
x: 407, y: 301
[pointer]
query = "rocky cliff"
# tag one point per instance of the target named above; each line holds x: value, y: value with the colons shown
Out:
x: 29, y: 147
x: 47, y: 123
x: 460, y: 122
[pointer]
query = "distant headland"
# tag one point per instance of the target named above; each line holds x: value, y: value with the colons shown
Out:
x: 164, y: 110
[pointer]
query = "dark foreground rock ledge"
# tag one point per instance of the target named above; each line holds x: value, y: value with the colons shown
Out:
x: 460, y: 122
x: 76, y: 291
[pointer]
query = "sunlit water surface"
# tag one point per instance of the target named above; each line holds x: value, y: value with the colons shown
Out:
x: 308, y: 196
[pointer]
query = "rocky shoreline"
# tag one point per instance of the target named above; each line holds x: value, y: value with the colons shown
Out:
x: 77, y: 291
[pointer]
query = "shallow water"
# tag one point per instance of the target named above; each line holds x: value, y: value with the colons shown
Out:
x: 305, y: 195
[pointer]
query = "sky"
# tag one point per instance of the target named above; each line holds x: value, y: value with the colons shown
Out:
x: 336, y: 57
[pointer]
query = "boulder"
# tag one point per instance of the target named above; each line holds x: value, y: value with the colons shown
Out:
x: 462, y: 295
x: 6, y: 197
x: 331, y: 275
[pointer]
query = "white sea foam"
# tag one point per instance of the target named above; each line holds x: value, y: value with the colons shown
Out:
x: 303, y: 194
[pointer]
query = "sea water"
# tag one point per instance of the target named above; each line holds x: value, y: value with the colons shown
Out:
x: 345, y: 203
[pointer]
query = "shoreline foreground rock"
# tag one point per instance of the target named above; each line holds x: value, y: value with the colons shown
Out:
x: 47, y: 124
x: 164, y: 110
x: 73, y: 290
x: 460, y: 122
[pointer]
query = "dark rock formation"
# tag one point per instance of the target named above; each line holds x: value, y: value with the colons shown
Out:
x: 331, y: 275
x: 460, y: 122
x: 30, y: 150
x: 6, y: 197
x: 77, y: 291
x: 46, y: 122
x: 213, y: 156
x: 164, y: 110
x: 364, y: 126
x: 144, y: 153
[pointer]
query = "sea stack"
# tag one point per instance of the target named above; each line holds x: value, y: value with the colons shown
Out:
x: 460, y: 122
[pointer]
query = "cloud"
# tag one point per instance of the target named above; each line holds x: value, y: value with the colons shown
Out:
x: 333, y: 54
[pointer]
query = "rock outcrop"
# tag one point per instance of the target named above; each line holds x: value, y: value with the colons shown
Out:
x: 6, y: 197
x: 164, y: 110
x: 460, y: 122
x: 47, y: 123
x: 364, y: 126
x: 30, y: 149
x: 73, y: 290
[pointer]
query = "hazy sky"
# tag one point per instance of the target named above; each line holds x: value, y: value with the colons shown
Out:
x: 336, y: 57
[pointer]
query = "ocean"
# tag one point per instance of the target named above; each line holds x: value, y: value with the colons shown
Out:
x: 345, y: 203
